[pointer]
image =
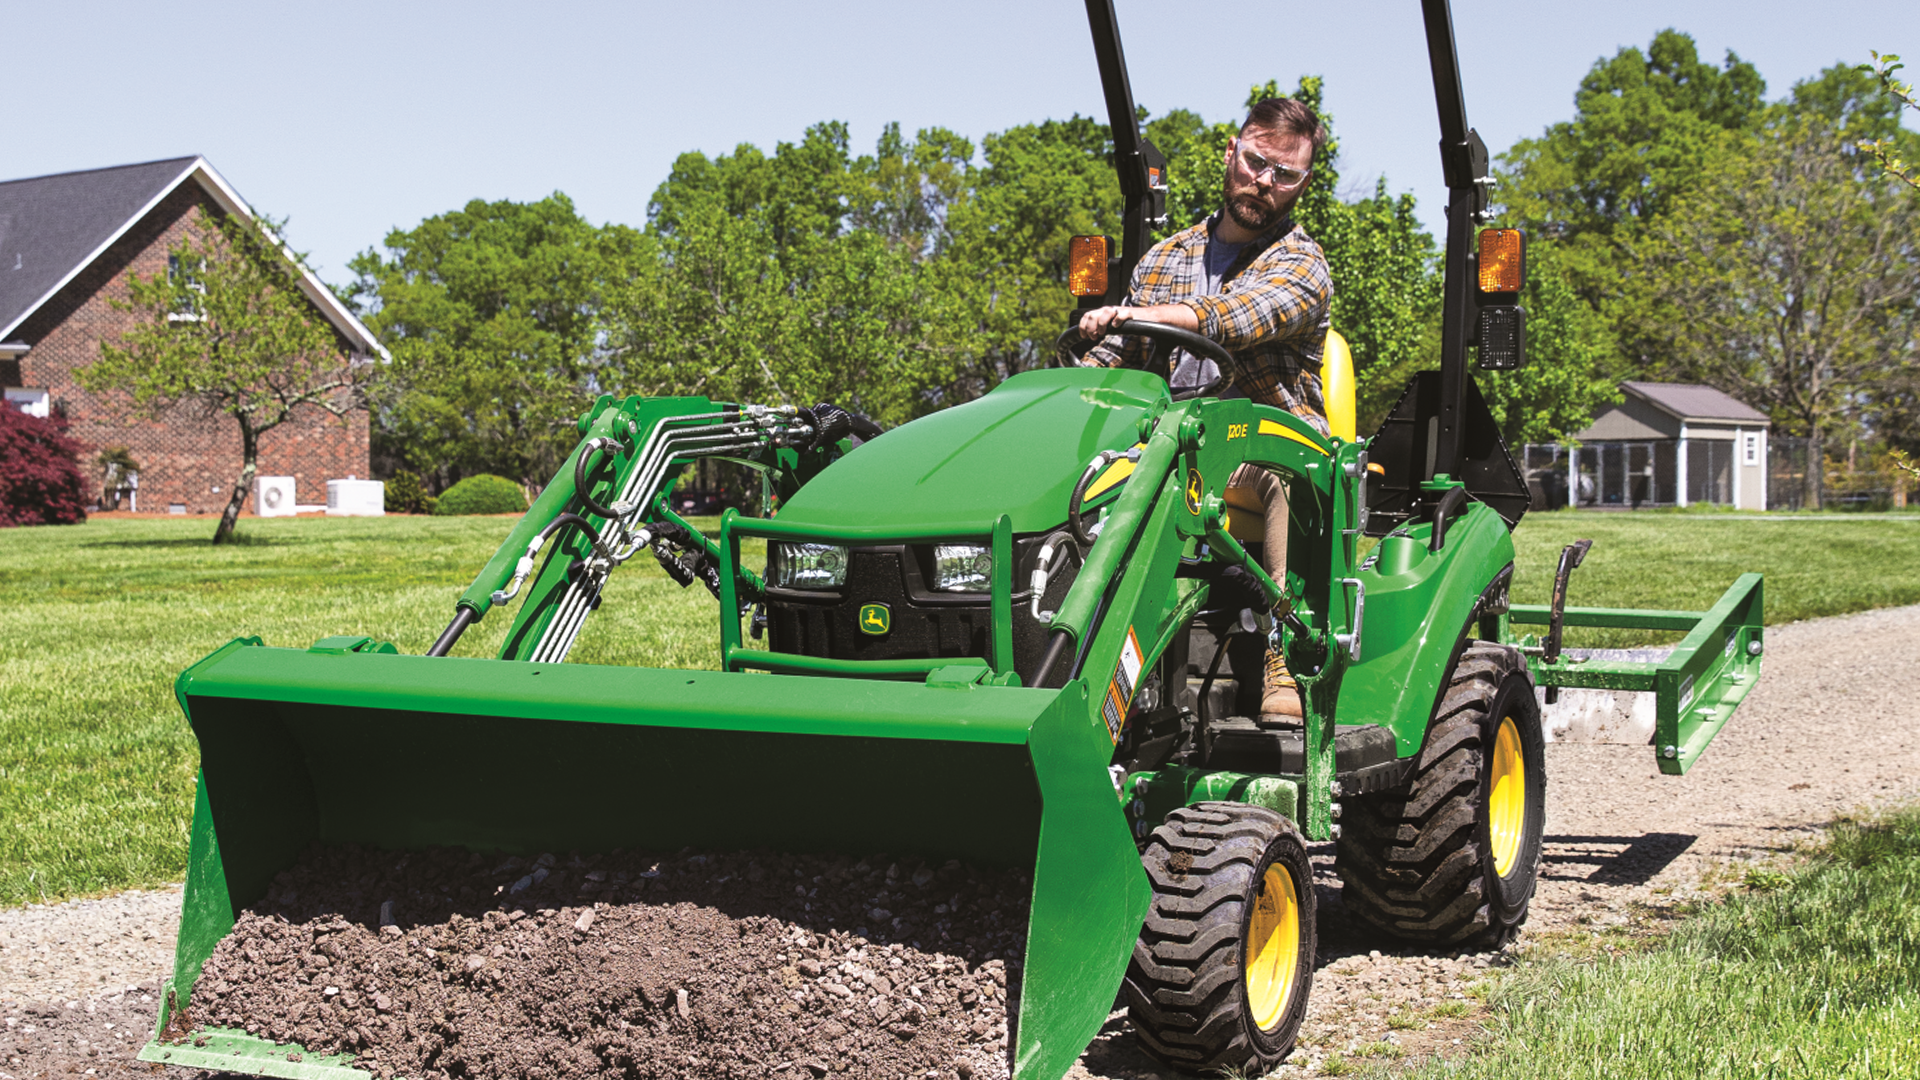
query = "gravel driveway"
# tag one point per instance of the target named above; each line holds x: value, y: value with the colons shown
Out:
x: 1830, y: 728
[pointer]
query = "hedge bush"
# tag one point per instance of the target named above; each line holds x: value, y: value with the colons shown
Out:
x: 407, y: 495
x: 40, y: 478
x: 483, y: 494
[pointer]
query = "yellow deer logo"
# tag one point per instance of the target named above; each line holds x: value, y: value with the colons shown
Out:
x: 1195, y: 489
x: 875, y: 619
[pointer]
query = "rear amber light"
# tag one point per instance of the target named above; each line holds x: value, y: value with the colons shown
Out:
x: 1087, y: 265
x: 1502, y: 253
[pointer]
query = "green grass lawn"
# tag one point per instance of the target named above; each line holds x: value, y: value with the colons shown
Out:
x: 1816, y: 564
x: 96, y: 763
x: 1811, y: 975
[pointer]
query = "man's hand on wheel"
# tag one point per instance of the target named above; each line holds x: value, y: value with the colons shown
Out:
x: 1096, y: 323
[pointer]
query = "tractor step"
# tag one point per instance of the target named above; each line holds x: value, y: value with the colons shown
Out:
x: 1243, y: 745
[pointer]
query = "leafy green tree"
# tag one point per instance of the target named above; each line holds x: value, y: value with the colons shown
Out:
x: 1884, y: 148
x: 797, y: 277
x: 1791, y: 280
x: 490, y: 315
x: 1006, y: 261
x: 908, y: 186
x: 1648, y: 127
x: 1569, y: 372
x: 227, y: 332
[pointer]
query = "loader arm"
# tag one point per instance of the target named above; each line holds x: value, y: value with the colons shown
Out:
x: 605, y: 506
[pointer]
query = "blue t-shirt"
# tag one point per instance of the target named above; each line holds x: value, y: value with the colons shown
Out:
x: 1188, y: 370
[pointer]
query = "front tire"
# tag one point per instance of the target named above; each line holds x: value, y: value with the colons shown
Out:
x: 1224, y: 965
x: 1454, y: 853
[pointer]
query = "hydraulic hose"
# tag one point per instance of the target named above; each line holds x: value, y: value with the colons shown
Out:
x: 1044, y: 571
x: 1094, y: 468
x: 580, y: 485
x: 1453, y: 502
x: 525, y: 567
x: 562, y: 520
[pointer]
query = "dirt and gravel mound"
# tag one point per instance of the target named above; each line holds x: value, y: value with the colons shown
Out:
x: 446, y: 963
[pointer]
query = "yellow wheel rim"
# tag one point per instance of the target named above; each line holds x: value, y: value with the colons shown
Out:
x: 1507, y: 799
x: 1273, y: 948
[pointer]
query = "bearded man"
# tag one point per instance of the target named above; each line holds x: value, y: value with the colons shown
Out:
x: 1251, y: 279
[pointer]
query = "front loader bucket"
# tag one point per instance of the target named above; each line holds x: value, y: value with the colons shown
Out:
x: 340, y: 746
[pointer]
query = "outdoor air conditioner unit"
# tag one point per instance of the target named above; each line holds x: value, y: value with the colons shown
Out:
x: 273, y: 496
x: 356, y: 498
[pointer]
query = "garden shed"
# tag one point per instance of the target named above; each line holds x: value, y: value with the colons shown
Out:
x: 1663, y: 444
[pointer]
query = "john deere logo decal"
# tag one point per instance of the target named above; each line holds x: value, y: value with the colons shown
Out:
x: 875, y: 619
x: 1194, y: 491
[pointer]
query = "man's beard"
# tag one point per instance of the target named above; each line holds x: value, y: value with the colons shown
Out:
x: 1251, y: 212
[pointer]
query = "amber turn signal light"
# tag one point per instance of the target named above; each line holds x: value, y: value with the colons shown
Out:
x: 1087, y: 265
x: 1502, y: 258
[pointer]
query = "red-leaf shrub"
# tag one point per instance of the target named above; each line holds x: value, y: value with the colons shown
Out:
x: 40, y: 478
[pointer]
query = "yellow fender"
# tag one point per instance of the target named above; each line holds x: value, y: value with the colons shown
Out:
x: 1336, y: 385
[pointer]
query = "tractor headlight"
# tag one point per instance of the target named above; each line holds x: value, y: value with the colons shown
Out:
x: 810, y: 566
x: 962, y: 568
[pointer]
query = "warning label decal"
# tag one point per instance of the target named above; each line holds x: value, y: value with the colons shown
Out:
x: 1126, y: 679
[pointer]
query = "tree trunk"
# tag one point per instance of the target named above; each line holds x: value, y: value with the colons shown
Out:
x: 1815, y: 480
x: 250, y: 454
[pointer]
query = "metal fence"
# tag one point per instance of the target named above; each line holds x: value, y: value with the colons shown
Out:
x: 1632, y: 475
x: 1865, y: 484
x: 1628, y: 475
x: 1786, y: 472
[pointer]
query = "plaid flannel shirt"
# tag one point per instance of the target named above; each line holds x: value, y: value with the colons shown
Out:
x: 1270, y: 313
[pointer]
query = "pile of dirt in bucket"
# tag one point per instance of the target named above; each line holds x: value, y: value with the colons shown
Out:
x: 446, y: 963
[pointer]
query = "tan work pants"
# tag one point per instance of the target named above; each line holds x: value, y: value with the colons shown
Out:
x: 1257, y: 509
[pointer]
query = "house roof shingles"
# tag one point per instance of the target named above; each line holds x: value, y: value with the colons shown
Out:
x: 1693, y: 402
x: 51, y: 225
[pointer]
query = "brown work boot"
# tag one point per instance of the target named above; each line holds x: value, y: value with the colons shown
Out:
x: 1280, y: 698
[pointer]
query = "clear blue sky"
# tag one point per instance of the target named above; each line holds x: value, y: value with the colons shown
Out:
x: 356, y: 117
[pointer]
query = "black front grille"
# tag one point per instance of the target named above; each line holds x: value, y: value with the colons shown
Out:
x: 923, y: 623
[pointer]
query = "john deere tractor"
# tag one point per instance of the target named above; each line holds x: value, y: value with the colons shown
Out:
x: 1021, y: 630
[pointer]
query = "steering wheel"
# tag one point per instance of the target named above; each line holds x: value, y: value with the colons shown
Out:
x: 1158, y: 333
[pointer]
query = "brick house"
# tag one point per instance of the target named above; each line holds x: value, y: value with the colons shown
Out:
x: 68, y: 243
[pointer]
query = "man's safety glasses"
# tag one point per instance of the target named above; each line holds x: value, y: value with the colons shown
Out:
x: 1284, y: 176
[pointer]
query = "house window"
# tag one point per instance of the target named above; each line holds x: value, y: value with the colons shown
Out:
x: 1749, y: 448
x: 184, y: 275
x: 31, y: 402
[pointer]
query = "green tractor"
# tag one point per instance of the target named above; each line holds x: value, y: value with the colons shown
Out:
x: 1018, y: 631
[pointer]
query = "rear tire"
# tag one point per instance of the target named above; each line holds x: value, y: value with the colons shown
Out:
x: 1221, y: 973
x: 1454, y: 853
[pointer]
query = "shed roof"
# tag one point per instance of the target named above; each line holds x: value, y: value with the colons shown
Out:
x: 53, y: 227
x: 1690, y: 401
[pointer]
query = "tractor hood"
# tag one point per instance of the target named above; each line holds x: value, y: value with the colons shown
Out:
x: 1017, y: 451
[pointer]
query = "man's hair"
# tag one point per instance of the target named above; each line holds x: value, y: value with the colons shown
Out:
x: 1285, y: 116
